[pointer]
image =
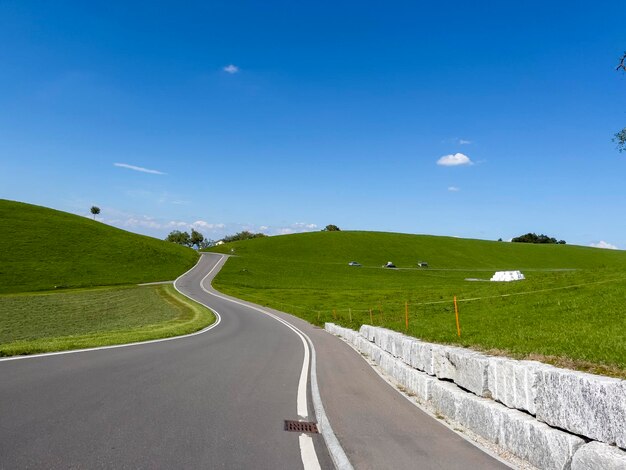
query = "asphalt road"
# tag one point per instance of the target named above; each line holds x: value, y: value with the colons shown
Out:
x: 215, y: 400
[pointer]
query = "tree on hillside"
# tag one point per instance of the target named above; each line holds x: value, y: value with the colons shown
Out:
x: 206, y: 243
x: 331, y: 228
x: 95, y: 210
x: 538, y: 239
x: 196, y: 238
x: 182, y: 238
x: 620, y: 137
x: 243, y: 235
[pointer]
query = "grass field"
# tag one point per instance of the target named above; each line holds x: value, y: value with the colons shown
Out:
x: 569, y: 311
x: 35, y: 323
x: 73, y: 263
x: 45, y: 249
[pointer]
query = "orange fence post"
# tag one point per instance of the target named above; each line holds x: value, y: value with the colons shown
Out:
x: 350, y: 314
x: 456, y: 312
x: 371, y: 318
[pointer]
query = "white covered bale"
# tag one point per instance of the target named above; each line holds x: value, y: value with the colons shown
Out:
x: 590, y: 405
x: 466, y: 368
x: 507, y: 276
x: 597, y: 455
x: 514, y: 383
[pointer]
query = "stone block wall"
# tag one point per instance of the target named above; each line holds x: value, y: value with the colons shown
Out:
x: 542, y: 414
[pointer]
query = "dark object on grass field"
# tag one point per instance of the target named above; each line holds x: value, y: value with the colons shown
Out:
x: 422, y: 264
x: 389, y: 265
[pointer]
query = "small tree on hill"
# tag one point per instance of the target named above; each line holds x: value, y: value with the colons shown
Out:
x: 196, y: 238
x: 182, y: 238
x: 206, y: 243
x: 331, y: 228
x: 538, y: 239
x: 95, y: 210
x: 244, y: 235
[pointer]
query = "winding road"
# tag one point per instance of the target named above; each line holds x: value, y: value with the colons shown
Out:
x: 217, y: 399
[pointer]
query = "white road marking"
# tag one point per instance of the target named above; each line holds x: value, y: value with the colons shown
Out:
x: 307, y: 450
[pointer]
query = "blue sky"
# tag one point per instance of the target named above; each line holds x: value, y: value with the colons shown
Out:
x: 287, y: 116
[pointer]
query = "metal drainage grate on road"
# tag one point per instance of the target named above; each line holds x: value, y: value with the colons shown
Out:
x: 301, y: 426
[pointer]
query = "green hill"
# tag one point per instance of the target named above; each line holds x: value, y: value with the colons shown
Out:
x: 44, y: 249
x: 375, y: 248
x: 568, y: 310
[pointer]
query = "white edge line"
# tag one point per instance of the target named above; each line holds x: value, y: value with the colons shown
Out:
x: 337, y: 454
x: 309, y: 457
x: 307, y: 450
x: 218, y: 319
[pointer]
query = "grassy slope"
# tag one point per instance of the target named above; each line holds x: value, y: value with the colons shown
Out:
x: 567, y: 317
x: 95, y: 317
x: 41, y: 248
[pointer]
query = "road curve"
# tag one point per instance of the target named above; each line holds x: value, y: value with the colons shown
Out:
x: 216, y: 399
x: 213, y: 400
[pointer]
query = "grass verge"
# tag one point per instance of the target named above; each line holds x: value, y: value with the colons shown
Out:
x: 85, y: 318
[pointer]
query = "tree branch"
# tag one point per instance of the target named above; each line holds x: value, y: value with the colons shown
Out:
x: 622, y: 63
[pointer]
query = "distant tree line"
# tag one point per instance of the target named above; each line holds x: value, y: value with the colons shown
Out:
x: 190, y: 240
x: 534, y: 238
x: 244, y: 235
x: 198, y: 240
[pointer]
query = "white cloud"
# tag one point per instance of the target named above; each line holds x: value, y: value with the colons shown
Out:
x: 231, y: 69
x: 453, y: 189
x: 138, y: 168
x: 454, y: 160
x: 304, y: 225
x: 201, y: 224
x: 464, y: 142
x: 603, y: 244
x: 177, y: 224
